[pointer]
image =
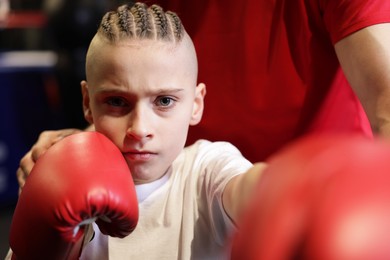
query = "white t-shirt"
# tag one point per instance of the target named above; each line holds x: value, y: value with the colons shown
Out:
x: 180, y: 215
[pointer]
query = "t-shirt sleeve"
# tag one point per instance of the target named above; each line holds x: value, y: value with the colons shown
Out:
x: 344, y: 17
x: 221, y: 162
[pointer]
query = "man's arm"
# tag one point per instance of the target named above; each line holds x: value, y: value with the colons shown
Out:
x: 238, y: 192
x: 365, y: 59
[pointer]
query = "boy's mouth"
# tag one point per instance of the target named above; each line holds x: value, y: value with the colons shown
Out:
x: 139, y: 155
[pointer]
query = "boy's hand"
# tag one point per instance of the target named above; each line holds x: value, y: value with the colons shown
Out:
x: 46, y: 139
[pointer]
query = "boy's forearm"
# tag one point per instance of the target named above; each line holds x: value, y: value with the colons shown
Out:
x: 239, y: 191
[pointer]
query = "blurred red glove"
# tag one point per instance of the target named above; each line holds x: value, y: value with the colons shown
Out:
x: 321, y: 198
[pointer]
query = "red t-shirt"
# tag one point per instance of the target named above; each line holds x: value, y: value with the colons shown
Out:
x: 271, y: 70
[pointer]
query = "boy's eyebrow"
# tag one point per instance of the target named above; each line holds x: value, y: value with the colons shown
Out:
x: 159, y: 91
x: 167, y: 90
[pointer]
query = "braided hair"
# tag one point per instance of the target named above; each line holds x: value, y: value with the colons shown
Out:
x: 138, y: 21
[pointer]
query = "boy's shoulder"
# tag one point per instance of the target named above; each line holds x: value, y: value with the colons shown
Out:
x: 207, y: 145
x: 210, y: 162
x: 211, y: 151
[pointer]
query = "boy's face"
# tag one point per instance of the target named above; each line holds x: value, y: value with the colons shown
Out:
x: 143, y: 96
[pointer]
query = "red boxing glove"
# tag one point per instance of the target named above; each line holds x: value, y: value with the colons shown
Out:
x: 323, y: 198
x: 79, y: 179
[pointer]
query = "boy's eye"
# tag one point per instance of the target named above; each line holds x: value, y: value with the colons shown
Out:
x: 164, y: 101
x: 116, y: 102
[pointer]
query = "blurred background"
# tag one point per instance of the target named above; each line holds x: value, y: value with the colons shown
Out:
x: 42, y: 50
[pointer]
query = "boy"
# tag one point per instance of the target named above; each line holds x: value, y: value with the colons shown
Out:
x: 141, y: 92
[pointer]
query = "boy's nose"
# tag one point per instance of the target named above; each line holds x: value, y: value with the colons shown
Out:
x: 138, y: 128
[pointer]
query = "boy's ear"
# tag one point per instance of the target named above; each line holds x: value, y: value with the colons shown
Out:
x: 86, y: 105
x: 197, y: 111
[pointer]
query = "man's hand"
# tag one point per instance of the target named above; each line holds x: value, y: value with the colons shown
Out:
x: 46, y: 139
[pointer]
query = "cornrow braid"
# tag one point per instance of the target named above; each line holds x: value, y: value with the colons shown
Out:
x: 106, y: 27
x: 177, y: 26
x: 142, y: 20
x: 125, y: 20
x: 139, y: 21
x: 160, y: 22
